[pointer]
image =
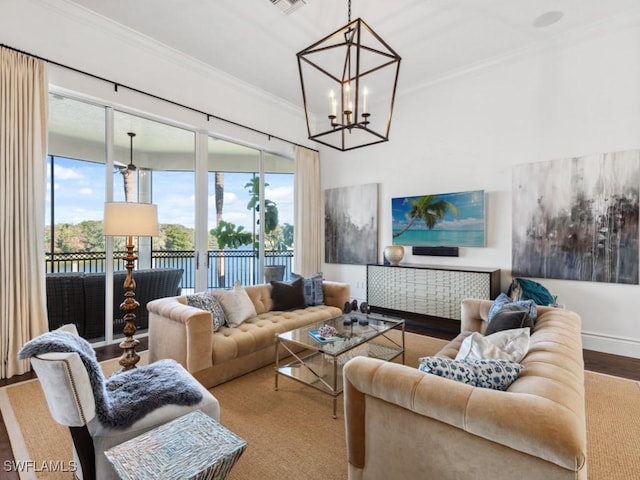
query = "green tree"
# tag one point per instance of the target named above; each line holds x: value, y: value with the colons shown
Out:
x: 287, y: 235
x: 178, y: 237
x: 230, y: 235
x: 92, y: 236
x: 429, y: 209
x: 270, y: 208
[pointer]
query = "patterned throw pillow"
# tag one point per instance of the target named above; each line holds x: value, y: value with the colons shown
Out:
x: 496, y: 374
x: 313, y: 294
x: 206, y: 301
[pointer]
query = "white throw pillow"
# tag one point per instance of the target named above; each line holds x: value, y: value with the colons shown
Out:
x: 236, y: 304
x: 506, y: 344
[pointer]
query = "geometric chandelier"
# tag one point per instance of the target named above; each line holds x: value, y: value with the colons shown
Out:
x: 349, y: 81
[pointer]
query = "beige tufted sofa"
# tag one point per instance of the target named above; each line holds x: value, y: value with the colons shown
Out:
x: 185, y: 333
x: 403, y: 423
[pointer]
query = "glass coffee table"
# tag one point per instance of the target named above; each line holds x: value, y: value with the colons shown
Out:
x: 320, y: 363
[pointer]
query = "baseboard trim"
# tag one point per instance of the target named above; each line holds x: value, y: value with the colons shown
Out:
x: 626, y: 347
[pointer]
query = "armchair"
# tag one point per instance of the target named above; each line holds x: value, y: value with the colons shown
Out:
x: 100, y: 412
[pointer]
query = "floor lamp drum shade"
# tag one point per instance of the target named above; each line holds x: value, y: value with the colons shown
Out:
x: 130, y: 219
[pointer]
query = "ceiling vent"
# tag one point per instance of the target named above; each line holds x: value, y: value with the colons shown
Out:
x: 288, y: 6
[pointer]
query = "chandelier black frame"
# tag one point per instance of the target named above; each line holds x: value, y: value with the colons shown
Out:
x: 349, y: 110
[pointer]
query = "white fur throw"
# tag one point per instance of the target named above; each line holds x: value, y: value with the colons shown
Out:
x: 128, y: 396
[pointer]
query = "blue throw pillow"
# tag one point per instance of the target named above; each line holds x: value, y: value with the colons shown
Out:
x: 505, y: 303
x: 496, y: 374
x: 313, y: 294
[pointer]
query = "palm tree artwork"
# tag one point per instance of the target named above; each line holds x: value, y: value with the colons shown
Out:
x: 429, y: 209
x: 448, y: 219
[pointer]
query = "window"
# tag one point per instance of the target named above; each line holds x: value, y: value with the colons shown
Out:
x: 224, y: 213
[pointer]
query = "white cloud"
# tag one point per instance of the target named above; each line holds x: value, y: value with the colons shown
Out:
x: 279, y: 195
x: 64, y: 173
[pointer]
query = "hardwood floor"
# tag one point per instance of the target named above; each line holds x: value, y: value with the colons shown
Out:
x: 594, y: 361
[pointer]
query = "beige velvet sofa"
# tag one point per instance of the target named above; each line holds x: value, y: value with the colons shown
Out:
x: 404, y: 423
x: 185, y: 333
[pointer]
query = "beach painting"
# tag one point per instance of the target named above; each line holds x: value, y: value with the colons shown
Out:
x: 577, y: 218
x: 440, y: 220
x: 351, y: 224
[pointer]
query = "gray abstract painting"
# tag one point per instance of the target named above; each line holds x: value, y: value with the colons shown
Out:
x: 577, y: 218
x: 351, y: 224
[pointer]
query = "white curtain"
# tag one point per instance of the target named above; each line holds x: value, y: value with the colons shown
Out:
x: 23, y: 131
x: 308, y: 213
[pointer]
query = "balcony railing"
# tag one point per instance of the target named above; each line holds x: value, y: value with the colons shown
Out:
x: 224, y: 267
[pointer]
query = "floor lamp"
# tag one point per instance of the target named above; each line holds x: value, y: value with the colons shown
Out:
x: 129, y: 219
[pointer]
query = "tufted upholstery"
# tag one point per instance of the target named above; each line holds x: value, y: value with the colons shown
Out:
x: 185, y: 333
x: 534, y: 430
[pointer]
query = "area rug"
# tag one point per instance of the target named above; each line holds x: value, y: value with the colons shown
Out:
x: 292, y: 435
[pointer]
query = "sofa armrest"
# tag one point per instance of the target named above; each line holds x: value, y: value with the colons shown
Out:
x: 181, y: 332
x: 336, y: 294
x: 400, y: 385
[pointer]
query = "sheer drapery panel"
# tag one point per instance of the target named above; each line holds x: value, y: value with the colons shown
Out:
x: 308, y: 213
x: 23, y: 117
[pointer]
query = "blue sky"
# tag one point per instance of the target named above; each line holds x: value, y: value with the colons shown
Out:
x: 79, y: 190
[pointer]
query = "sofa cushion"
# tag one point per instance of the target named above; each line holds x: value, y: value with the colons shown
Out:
x: 207, y: 301
x: 236, y: 304
x: 505, y: 303
x: 313, y: 294
x: 507, y: 319
x: 288, y: 296
x: 496, y: 374
x: 507, y: 344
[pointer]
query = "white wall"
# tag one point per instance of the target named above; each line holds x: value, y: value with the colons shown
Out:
x: 466, y: 133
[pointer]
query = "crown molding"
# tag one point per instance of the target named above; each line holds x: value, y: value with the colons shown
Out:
x: 606, y: 26
x: 84, y: 16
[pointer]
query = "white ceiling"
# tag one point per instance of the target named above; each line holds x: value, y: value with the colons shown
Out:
x: 254, y: 41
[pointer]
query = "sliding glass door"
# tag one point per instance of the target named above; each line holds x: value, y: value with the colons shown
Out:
x: 250, y: 216
x: 225, y: 213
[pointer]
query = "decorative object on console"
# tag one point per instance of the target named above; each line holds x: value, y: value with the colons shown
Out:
x: 353, y: 60
x: 590, y: 232
x: 351, y: 224
x: 447, y: 219
x: 130, y: 220
x: 347, y: 307
x: 394, y: 254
